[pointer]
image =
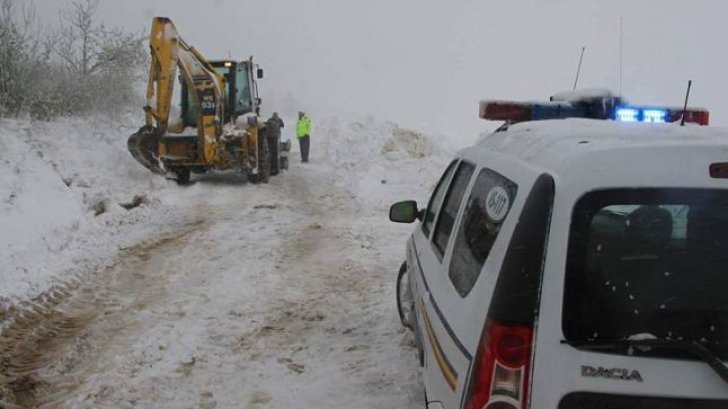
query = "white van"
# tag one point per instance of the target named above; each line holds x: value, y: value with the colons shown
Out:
x: 574, y: 264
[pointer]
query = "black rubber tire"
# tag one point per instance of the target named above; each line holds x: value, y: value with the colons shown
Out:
x: 274, y: 149
x: 263, y: 174
x: 183, y: 176
x: 405, y: 311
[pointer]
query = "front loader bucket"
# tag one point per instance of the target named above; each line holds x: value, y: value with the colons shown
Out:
x: 143, y: 146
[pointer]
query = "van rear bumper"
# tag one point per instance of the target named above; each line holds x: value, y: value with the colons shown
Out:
x: 581, y: 400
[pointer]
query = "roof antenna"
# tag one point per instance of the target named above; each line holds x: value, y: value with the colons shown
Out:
x: 578, y: 68
x: 620, y: 56
x: 685, y: 107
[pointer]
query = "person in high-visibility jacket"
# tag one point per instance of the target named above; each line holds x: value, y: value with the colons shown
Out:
x: 303, y: 133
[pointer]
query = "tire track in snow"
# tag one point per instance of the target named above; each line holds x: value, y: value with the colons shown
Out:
x: 325, y: 321
x: 31, y: 374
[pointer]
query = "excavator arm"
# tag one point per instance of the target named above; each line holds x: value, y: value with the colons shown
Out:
x: 205, y: 85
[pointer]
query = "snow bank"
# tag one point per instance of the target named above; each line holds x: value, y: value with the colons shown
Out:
x: 34, y: 197
x: 380, y: 162
x: 62, y: 187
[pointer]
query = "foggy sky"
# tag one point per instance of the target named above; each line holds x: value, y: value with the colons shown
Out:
x: 426, y: 64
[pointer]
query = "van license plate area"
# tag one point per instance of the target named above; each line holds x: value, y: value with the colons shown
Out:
x: 582, y: 400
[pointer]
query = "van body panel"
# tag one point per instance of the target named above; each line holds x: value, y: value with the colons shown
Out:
x: 445, y: 321
x: 558, y: 368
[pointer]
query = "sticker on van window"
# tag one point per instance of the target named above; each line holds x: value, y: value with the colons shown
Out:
x: 497, y: 203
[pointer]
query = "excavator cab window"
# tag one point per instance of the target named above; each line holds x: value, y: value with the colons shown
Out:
x: 238, y: 76
x: 189, y: 109
x: 242, y: 85
x: 229, y: 81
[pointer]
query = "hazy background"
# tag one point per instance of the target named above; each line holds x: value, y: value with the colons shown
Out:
x: 426, y: 64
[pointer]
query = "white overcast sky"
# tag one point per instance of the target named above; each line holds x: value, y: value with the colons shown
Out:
x: 427, y: 63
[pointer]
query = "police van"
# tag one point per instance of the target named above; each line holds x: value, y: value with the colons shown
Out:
x: 577, y: 258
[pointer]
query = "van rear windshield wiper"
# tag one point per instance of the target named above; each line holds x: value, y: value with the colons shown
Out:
x: 693, y: 347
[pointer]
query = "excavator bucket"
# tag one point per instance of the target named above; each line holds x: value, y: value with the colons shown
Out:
x: 143, y: 146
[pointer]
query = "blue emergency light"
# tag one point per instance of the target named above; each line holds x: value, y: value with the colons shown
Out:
x: 637, y: 114
x: 657, y: 116
x: 627, y: 115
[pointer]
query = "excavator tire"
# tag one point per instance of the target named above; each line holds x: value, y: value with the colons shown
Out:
x: 263, y: 174
x: 183, y: 176
x: 274, y: 146
x: 143, y: 147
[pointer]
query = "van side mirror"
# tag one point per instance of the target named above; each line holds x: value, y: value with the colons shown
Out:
x: 405, y: 212
x: 259, y: 73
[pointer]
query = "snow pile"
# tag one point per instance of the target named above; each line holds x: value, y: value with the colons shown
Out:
x: 69, y: 196
x: 34, y: 199
x: 380, y: 162
x: 405, y: 141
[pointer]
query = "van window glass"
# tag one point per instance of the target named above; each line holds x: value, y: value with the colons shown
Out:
x: 450, y: 207
x: 486, y: 209
x: 649, y: 263
x: 518, y: 289
x: 436, y: 198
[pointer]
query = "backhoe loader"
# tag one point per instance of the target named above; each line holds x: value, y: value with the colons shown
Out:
x: 218, y: 126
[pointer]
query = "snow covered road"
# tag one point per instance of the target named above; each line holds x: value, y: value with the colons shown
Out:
x: 269, y: 296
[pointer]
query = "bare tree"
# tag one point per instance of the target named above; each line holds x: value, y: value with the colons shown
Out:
x: 22, y: 52
x: 81, y: 68
x: 87, y: 47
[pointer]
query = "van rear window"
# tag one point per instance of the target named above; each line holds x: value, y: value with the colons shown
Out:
x: 649, y: 263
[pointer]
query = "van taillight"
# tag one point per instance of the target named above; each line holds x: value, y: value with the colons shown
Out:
x: 502, y: 368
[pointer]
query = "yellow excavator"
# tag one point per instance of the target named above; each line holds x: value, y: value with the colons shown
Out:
x: 218, y: 126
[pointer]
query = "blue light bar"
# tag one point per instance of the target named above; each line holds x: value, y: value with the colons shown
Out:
x: 605, y: 108
x: 641, y: 114
x: 627, y: 115
x: 656, y: 116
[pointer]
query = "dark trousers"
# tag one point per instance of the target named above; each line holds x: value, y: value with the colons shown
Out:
x: 304, y: 142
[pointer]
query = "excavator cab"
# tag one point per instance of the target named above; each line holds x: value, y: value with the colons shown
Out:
x: 240, y: 86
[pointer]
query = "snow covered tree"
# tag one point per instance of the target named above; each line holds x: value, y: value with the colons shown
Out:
x: 81, y: 68
x: 87, y: 47
x: 101, y: 64
x: 23, y: 57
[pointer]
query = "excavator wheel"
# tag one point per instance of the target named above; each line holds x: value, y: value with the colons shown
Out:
x: 263, y: 174
x: 183, y: 176
x: 285, y: 150
x: 143, y: 147
x: 274, y: 146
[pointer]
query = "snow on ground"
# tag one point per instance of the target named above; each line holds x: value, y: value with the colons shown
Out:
x: 217, y: 295
x: 54, y: 180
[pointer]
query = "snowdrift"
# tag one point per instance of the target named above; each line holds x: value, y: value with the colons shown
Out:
x: 63, y: 188
x: 380, y: 162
